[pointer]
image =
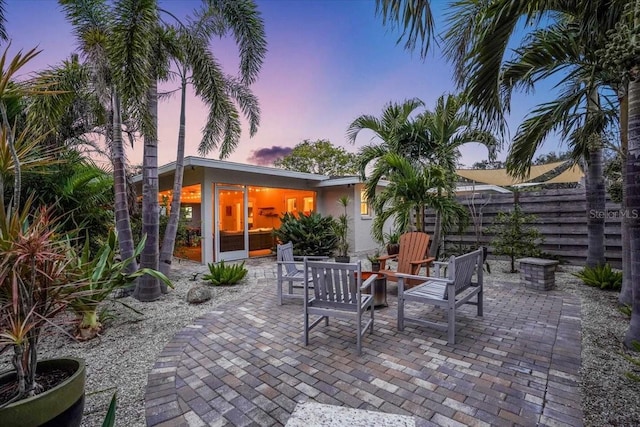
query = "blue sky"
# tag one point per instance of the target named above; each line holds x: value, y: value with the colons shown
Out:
x: 328, y: 62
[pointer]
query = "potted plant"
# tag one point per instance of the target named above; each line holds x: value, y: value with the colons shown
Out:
x: 374, y: 260
x: 40, y: 277
x: 342, y: 231
x: 33, y: 290
x: 393, y: 242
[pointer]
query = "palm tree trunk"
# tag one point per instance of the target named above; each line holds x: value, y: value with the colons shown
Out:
x: 437, y: 235
x: 123, y: 222
x: 169, y: 242
x: 595, y: 192
x: 148, y: 287
x: 625, y: 296
x: 632, y: 184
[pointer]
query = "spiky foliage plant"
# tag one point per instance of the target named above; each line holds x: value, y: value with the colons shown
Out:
x: 222, y: 274
x: 601, y: 276
x: 311, y: 234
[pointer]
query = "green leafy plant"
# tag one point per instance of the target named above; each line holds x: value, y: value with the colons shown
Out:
x: 626, y: 310
x: 515, y: 236
x: 341, y: 226
x: 634, y: 361
x: 311, y: 234
x: 104, y: 273
x: 222, y: 274
x: 375, y: 257
x: 601, y: 276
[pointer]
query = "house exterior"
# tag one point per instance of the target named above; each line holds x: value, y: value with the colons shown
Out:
x: 232, y: 208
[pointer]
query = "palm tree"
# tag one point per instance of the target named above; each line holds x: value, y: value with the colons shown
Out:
x: 196, y: 65
x: 431, y: 137
x: 576, y: 114
x: 412, y: 188
x: 116, y: 43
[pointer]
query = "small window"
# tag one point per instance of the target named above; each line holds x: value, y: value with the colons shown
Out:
x: 307, y: 203
x: 292, y: 204
x: 365, y: 209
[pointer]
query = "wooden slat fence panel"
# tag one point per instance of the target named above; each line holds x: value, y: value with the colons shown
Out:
x: 561, y: 217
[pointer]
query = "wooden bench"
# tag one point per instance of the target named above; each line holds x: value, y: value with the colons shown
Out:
x: 449, y: 292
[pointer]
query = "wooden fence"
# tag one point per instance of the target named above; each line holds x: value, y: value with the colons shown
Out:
x: 561, y: 218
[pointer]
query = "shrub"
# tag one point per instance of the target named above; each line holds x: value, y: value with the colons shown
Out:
x: 601, y: 276
x: 310, y: 234
x: 225, y: 275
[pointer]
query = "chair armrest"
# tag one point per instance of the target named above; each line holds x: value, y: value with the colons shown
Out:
x: 367, y: 283
x: 423, y: 278
x: 423, y: 261
x: 383, y: 260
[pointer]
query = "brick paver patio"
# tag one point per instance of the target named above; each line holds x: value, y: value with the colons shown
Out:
x: 245, y: 364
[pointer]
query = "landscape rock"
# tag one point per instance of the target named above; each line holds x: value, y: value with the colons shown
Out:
x: 198, y: 294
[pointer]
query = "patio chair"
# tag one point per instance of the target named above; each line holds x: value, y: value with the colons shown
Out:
x: 450, y: 292
x: 412, y: 257
x: 290, y: 270
x: 337, y: 292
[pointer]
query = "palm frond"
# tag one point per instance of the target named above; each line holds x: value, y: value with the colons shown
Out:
x: 413, y: 17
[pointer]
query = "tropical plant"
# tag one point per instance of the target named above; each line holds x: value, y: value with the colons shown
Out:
x: 514, y: 235
x: 430, y: 138
x: 222, y: 274
x: 319, y: 157
x: 118, y: 52
x: 411, y: 190
x: 191, y: 55
x: 374, y: 257
x: 601, y: 276
x: 310, y: 234
x: 33, y: 287
x: 341, y: 226
x: 102, y: 274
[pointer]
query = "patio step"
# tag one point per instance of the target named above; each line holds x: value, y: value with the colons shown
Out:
x: 318, y: 414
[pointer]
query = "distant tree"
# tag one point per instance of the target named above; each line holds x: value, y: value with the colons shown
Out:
x: 488, y: 164
x: 552, y: 157
x: 320, y: 157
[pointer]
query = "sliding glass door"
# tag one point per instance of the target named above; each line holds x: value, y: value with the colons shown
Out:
x: 231, y: 222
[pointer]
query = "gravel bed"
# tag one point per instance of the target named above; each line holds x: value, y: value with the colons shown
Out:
x: 122, y: 356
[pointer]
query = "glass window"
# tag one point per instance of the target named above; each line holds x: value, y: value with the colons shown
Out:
x: 365, y: 209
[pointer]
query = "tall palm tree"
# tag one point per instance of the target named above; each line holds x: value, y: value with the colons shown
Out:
x: 195, y: 64
x: 116, y: 42
x: 577, y: 113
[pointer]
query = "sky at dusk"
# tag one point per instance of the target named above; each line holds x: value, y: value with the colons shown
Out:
x: 328, y: 62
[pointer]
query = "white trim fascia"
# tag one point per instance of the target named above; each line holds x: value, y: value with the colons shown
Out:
x: 236, y: 167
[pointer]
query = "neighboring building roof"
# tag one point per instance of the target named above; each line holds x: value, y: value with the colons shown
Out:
x: 502, y: 178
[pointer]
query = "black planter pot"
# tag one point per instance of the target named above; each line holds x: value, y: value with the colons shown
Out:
x: 60, y: 406
x: 393, y: 248
x: 375, y: 266
x: 343, y: 258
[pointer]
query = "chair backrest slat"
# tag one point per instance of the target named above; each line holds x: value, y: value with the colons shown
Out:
x: 335, y: 282
x: 285, y: 253
x: 413, y: 247
x: 460, y: 269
